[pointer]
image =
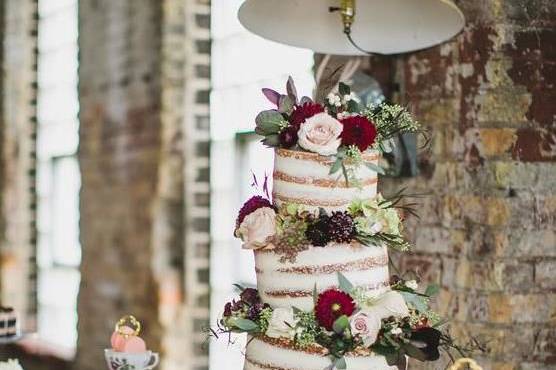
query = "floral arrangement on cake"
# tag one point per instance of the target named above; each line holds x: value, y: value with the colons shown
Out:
x: 293, y: 228
x: 340, y: 128
x: 344, y: 321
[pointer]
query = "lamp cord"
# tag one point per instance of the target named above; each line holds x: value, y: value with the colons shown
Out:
x: 347, y: 32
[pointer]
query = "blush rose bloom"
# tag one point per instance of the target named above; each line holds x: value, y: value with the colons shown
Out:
x: 320, y: 134
x: 366, y: 325
x: 282, y: 324
x: 258, y: 228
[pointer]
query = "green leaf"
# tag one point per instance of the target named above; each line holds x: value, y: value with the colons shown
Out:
x: 432, y: 290
x: 414, y: 352
x: 239, y: 287
x: 441, y: 322
x: 245, y: 324
x: 353, y: 106
x: 290, y: 88
x: 340, y: 363
x: 345, y: 285
x: 340, y: 325
x: 285, y: 104
x: 415, y: 300
x: 269, y: 122
x: 345, y: 173
x: 393, y: 358
x: 336, y: 166
x: 374, y: 167
x: 343, y: 89
x: 296, y: 310
x: 387, y: 145
x: 315, y: 295
x: 271, y: 140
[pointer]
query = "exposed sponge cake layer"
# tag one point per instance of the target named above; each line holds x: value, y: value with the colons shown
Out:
x: 304, y: 178
x: 291, y: 283
x: 265, y: 353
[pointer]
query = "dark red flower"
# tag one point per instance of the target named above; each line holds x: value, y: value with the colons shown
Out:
x: 331, y: 304
x: 251, y: 206
x: 304, y: 111
x: 250, y: 296
x: 358, y: 131
x: 228, y: 309
x: 288, y: 136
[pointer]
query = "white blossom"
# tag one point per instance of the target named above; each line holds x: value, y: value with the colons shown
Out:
x: 412, y: 284
x: 396, y: 331
x: 10, y: 365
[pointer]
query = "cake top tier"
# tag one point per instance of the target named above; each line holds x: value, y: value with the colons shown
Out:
x: 340, y: 134
x: 304, y: 178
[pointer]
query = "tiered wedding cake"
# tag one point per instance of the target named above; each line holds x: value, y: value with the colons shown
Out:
x: 324, y: 297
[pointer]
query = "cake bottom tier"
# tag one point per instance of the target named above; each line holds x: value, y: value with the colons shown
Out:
x: 268, y: 354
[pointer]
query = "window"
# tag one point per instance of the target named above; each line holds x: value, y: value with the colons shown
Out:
x: 242, y: 64
x: 58, y: 178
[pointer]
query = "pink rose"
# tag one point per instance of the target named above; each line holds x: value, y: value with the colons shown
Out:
x: 366, y: 326
x: 320, y: 134
x: 258, y: 228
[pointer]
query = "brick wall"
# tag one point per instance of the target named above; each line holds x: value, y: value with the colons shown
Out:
x: 144, y: 80
x: 18, y: 158
x: 487, y: 230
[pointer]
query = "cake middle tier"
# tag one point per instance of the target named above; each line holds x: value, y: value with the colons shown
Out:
x: 286, y: 283
x: 304, y: 178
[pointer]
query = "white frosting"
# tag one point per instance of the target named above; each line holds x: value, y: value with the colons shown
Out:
x: 305, y: 178
x: 274, y: 357
x: 363, y: 266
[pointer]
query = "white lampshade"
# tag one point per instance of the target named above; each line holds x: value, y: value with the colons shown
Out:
x: 380, y: 26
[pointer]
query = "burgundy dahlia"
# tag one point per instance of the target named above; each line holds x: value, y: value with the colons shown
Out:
x: 228, y: 309
x: 341, y: 226
x: 331, y: 304
x: 250, y: 296
x: 318, y: 232
x: 358, y: 131
x: 288, y: 136
x: 304, y: 111
x: 251, y: 206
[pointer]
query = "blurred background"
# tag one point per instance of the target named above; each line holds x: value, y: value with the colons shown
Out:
x: 127, y: 147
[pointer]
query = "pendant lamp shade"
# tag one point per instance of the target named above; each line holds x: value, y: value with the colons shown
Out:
x: 380, y: 26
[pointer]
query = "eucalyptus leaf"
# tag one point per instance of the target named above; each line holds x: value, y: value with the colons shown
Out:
x: 271, y: 95
x: 393, y: 358
x: 245, y: 325
x: 345, y: 173
x: 387, y: 145
x: 432, y: 290
x: 336, y: 166
x: 305, y: 99
x: 290, y: 88
x: 340, y: 363
x: 345, y: 285
x: 315, y: 295
x: 414, y: 352
x: 271, y: 141
x: 415, y: 300
x: 340, y: 325
x: 343, y: 89
x: 285, y: 104
x: 374, y: 167
x: 239, y: 287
